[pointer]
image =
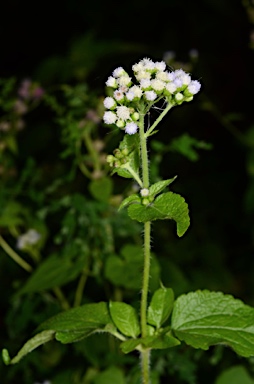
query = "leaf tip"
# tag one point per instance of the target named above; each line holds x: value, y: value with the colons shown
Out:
x: 6, y: 357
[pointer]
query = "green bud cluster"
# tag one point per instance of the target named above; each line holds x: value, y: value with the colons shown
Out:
x: 119, y: 157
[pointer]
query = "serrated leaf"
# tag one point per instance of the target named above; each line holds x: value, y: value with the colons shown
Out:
x: 158, y: 187
x: 160, y: 307
x: 78, y: 323
x: 130, y: 199
x: 125, y: 318
x: 204, y: 318
x: 166, y: 206
x: 29, y: 346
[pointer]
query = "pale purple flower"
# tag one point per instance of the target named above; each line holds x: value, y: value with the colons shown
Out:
x: 194, y: 87
x: 131, y: 128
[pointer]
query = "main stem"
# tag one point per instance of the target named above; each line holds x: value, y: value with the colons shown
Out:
x: 145, y: 354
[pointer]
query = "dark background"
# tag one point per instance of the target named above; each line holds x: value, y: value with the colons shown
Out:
x: 75, y: 41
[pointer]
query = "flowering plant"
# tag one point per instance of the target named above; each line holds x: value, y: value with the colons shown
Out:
x: 200, y: 318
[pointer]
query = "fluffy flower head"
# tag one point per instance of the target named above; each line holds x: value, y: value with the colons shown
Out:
x: 123, y: 113
x: 131, y: 128
x: 109, y: 117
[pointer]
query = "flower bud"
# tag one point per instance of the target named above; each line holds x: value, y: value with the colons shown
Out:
x: 145, y: 201
x: 135, y: 116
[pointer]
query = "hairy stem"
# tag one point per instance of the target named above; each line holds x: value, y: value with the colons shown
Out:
x: 147, y: 235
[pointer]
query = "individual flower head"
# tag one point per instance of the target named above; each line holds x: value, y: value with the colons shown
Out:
x: 29, y: 238
x: 119, y: 95
x: 194, y: 87
x: 171, y: 87
x: 124, y: 81
x: 163, y: 76
x: 123, y: 113
x: 145, y: 84
x: 144, y: 192
x: 171, y: 76
x: 157, y: 85
x: 160, y: 65
x: 119, y: 72
x: 147, y: 63
x: 131, y: 128
x: 111, y: 82
x: 109, y: 117
x: 150, y: 95
x: 109, y: 103
x: 130, y: 95
x: 137, y: 91
x: 143, y: 75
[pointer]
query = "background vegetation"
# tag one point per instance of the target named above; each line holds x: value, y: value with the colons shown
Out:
x: 53, y: 172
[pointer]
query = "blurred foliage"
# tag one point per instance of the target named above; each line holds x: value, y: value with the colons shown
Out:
x: 55, y: 181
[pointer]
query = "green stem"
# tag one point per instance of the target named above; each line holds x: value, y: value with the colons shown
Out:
x: 10, y: 252
x: 145, y: 353
x: 144, y: 155
x: 149, y: 131
x: 90, y: 148
x: 62, y: 299
x: 146, y: 273
x: 133, y: 173
x: 145, y: 363
x: 80, y: 288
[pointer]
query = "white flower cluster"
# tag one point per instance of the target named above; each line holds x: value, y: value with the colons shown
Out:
x: 29, y: 238
x: 154, y: 82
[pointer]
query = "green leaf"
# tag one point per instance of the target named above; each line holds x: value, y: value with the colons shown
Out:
x: 122, y: 172
x: 53, y: 272
x: 158, y: 187
x: 125, y: 270
x: 235, y: 375
x: 130, y: 345
x: 204, y: 318
x: 135, y: 198
x: 185, y: 145
x: 166, y: 206
x: 160, y: 307
x: 125, y: 318
x: 11, y: 214
x: 123, y: 273
x: 131, y: 143
x: 109, y: 376
x: 29, y: 346
x: 101, y: 189
x: 160, y: 341
x: 80, y: 322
